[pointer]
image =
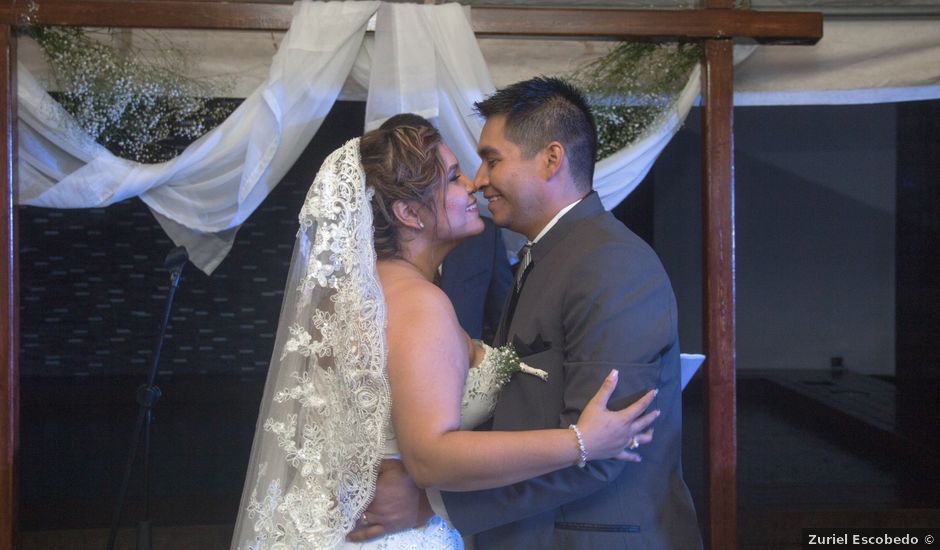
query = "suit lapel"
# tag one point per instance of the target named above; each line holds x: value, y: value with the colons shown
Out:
x: 588, y: 207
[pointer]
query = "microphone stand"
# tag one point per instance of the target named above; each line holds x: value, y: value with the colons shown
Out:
x: 147, y: 396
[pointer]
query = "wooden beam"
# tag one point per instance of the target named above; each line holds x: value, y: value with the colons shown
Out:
x: 9, y: 298
x: 595, y: 24
x: 719, y: 306
x: 680, y: 24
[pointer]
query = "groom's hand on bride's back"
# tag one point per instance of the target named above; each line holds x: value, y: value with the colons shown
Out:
x: 398, y: 504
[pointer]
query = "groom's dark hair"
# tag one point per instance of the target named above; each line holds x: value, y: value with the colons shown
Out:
x: 544, y: 109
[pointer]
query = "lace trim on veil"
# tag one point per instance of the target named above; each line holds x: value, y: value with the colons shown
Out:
x: 326, y: 403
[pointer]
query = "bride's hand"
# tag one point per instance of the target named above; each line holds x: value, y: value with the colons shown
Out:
x: 614, y: 434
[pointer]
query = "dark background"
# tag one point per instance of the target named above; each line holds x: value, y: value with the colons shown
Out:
x: 93, y: 290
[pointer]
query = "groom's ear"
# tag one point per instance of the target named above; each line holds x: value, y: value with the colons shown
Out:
x: 553, y: 155
x: 407, y: 215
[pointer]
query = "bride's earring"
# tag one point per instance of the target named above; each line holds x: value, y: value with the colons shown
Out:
x: 407, y: 215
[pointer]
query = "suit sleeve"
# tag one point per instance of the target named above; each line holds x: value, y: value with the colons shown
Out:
x: 619, y: 314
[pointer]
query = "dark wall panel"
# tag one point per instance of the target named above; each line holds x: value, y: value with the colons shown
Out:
x: 918, y: 241
x: 94, y: 287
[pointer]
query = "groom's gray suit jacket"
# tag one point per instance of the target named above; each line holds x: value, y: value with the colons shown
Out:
x: 596, y: 298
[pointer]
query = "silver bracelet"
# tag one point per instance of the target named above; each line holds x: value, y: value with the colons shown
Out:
x: 582, y: 451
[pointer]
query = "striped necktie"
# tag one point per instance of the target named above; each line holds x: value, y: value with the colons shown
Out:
x: 525, y: 261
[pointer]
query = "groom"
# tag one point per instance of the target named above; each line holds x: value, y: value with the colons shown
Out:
x: 593, y: 297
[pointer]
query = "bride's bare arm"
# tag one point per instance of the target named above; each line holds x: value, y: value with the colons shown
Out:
x: 427, y: 362
x: 475, y: 349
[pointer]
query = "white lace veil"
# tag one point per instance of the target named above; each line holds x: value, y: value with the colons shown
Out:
x: 321, y: 427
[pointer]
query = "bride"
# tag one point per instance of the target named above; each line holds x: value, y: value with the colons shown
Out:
x: 370, y: 361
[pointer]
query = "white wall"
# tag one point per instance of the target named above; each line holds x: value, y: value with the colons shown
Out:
x: 815, y: 235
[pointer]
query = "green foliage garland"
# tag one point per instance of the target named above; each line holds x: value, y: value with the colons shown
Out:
x: 134, y: 104
x: 632, y: 87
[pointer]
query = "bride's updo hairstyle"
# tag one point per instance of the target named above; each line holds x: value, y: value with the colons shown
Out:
x: 401, y: 164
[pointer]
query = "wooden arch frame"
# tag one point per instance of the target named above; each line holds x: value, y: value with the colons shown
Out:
x: 716, y: 24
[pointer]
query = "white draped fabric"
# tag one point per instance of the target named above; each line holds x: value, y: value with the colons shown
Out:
x: 441, y: 82
x: 425, y: 60
x: 617, y: 176
x: 203, y: 195
x: 857, y: 61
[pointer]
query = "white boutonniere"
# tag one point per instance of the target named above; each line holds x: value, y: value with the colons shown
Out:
x: 508, y: 363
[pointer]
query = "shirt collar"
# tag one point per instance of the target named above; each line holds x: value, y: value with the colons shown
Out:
x: 554, y: 220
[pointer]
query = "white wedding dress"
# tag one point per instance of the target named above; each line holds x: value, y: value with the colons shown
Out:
x: 480, y: 392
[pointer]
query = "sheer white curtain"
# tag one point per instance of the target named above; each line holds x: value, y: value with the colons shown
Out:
x: 443, y: 83
x: 202, y: 196
x: 425, y: 60
x: 856, y: 62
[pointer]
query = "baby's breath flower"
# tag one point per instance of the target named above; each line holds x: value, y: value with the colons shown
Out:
x: 508, y: 363
x: 132, y: 103
x: 632, y: 87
